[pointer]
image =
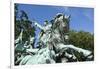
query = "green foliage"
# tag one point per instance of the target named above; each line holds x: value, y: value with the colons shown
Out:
x: 23, y: 22
x: 82, y: 39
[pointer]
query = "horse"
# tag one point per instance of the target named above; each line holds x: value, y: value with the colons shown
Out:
x: 60, y: 29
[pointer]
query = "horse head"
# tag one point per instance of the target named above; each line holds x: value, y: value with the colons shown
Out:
x: 61, y: 25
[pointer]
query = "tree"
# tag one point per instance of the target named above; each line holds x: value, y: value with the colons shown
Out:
x: 82, y: 39
x: 22, y: 22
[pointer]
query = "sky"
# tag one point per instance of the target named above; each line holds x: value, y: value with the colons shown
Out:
x: 82, y: 18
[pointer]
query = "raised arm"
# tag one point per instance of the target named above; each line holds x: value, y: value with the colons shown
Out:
x: 38, y: 25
